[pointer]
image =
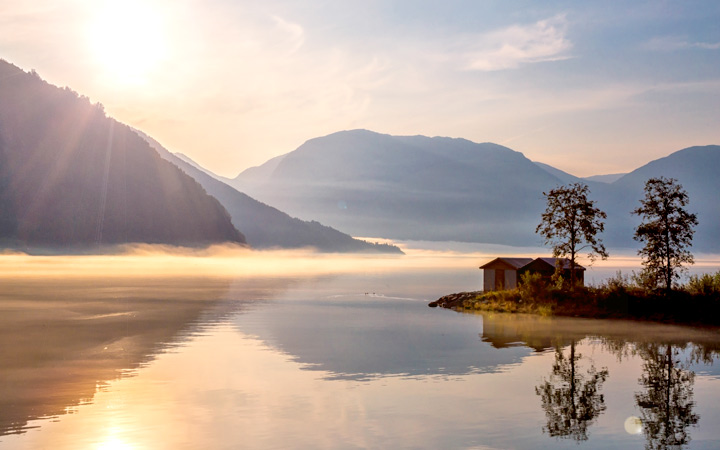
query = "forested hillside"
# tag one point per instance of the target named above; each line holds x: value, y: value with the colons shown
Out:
x: 72, y: 177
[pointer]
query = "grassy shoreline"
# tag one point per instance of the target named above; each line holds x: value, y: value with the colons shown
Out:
x: 608, y: 302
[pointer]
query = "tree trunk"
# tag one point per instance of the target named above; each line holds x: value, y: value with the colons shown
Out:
x: 572, y: 378
x: 668, y: 269
x: 667, y: 390
x: 572, y: 257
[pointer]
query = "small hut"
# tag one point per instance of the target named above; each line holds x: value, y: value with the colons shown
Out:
x: 504, y: 273
x: 546, y: 268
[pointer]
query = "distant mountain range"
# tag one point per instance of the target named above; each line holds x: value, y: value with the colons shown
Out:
x: 416, y: 187
x: 567, y: 178
x: 265, y: 226
x: 70, y: 177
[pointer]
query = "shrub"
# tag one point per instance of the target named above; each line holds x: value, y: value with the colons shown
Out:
x: 618, y: 284
x: 645, y: 280
x: 532, y: 287
x: 705, y: 284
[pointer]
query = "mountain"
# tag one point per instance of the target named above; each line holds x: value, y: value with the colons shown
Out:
x: 70, y: 177
x: 565, y: 177
x: 255, y: 174
x: 696, y: 169
x: 415, y: 187
x: 406, y: 187
x: 607, y: 178
x: 591, y: 181
x: 265, y: 226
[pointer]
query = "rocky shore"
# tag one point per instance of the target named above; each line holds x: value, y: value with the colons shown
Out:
x: 454, y: 300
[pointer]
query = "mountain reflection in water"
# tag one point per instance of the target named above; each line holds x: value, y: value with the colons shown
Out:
x: 63, y: 340
x: 336, y: 360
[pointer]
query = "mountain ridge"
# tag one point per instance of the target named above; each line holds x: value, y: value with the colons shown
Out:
x: 416, y: 187
x: 265, y: 226
x: 73, y: 178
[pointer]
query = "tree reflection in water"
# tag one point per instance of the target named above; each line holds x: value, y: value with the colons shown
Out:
x: 571, y: 398
x: 667, y: 403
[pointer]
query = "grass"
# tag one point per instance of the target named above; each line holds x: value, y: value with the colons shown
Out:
x: 697, y: 302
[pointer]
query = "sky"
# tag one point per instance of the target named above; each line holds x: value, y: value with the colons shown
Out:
x: 590, y: 87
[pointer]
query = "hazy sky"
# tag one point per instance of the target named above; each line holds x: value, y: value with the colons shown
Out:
x: 590, y: 87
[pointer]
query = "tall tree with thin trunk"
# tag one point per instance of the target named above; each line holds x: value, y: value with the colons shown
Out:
x: 667, y: 230
x: 570, y: 224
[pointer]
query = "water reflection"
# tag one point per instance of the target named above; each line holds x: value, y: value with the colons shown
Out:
x: 666, y: 403
x: 312, y: 362
x: 363, y: 338
x: 571, y: 397
x: 62, y: 341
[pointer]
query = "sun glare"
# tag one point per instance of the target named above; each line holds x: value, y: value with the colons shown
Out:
x: 128, y: 41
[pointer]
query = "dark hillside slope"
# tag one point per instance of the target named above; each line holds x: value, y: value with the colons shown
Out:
x: 265, y: 226
x: 72, y: 177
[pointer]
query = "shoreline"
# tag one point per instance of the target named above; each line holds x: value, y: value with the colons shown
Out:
x: 678, y: 308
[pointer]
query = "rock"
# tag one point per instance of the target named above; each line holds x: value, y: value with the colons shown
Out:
x: 453, y: 300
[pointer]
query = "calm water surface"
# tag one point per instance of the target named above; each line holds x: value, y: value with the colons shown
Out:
x: 333, y: 359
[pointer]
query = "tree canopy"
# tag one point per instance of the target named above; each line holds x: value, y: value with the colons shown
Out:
x: 666, y: 230
x: 570, y: 224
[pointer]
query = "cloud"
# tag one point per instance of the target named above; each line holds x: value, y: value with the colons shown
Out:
x: 673, y: 43
x: 291, y: 34
x: 516, y: 45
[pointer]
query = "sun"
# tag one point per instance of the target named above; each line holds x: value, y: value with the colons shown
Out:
x: 127, y: 40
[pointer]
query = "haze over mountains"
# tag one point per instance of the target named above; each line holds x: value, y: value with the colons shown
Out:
x: 265, y: 226
x: 72, y: 177
x: 415, y: 187
x: 404, y: 187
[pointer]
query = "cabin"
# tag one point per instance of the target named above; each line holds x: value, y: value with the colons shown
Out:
x: 546, y: 268
x: 504, y: 273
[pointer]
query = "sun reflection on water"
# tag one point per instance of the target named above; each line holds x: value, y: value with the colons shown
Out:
x: 114, y: 443
x: 252, y: 375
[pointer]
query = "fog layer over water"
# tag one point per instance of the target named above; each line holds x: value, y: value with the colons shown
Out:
x: 228, y: 348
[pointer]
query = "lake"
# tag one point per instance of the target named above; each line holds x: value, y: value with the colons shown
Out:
x: 236, y: 349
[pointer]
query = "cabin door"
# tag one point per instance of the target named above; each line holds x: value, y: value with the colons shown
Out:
x: 499, y: 279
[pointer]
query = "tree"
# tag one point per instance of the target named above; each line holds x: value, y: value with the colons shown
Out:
x: 667, y: 403
x: 666, y: 230
x: 570, y: 224
x: 570, y: 398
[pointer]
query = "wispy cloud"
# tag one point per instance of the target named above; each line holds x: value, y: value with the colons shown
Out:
x: 516, y: 45
x: 673, y: 43
x: 291, y: 34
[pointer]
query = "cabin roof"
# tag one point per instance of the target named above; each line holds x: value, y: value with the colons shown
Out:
x: 519, y: 263
x: 513, y: 262
x: 564, y: 263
